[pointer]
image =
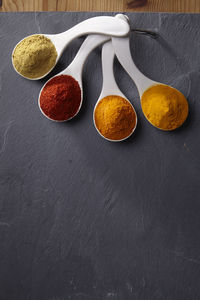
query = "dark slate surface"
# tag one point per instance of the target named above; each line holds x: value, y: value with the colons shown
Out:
x: 85, y: 219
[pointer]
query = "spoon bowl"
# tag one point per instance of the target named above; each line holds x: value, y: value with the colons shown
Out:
x: 106, y: 25
x: 110, y: 87
x: 75, y: 69
x: 30, y: 78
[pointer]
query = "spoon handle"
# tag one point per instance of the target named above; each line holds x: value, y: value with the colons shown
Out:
x: 123, y: 53
x: 99, y: 25
x: 89, y: 44
x: 109, y: 84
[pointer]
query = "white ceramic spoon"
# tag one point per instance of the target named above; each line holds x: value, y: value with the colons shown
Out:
x: 110, y: 86
x: 106, y: 25
x: 76, y: 67
x: 123, y: 53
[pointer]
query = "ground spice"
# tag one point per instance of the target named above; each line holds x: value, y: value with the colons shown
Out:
x: 60, y: 98
x: 114, y: 117
x: 164, y: 106
x: 34, y: 56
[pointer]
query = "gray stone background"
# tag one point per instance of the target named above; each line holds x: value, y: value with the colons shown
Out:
x: 85, y: 219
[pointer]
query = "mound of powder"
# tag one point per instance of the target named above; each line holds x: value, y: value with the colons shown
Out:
x: 34, y: 56
x: 114, y: 117
x: 164, y: 107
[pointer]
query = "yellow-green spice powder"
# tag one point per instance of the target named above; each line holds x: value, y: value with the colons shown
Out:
x: 34, y: 56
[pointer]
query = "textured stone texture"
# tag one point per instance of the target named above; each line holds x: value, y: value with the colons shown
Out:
x: 82, y: 218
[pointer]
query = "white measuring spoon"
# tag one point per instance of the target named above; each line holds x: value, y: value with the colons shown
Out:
x: 76, y: 67
x: 110, y: 87
x: 123, y: 53
x: 106, y: 25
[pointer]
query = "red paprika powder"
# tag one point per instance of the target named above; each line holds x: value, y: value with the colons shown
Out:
x: 60, y: 98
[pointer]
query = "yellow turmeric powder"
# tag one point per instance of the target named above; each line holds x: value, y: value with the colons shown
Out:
x: 114, y: 117
x: 164, y: 107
